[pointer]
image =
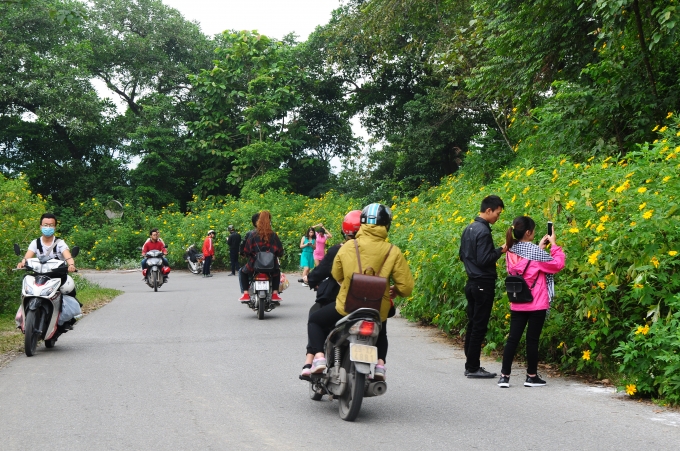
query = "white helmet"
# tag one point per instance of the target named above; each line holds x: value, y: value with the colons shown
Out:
x: 68, y: 286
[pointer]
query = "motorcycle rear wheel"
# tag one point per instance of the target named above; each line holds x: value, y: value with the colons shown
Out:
x: 350, y: 400
x: 31, y: 337
x: 260, y: 308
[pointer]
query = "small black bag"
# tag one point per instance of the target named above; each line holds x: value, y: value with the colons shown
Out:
x: 265, y: 261
x: 518, y: 289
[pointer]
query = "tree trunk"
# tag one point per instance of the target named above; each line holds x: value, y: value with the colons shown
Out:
x: 643, y: 47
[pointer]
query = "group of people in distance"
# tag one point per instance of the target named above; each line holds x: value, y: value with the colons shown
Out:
x: 536, y: 263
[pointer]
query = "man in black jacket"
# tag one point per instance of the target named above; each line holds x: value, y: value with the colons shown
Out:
x: 479, y: 255
x: 234, y: 243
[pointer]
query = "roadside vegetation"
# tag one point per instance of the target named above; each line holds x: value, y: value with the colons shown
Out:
x: 571, y: 119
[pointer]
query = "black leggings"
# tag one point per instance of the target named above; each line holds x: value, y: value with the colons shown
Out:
x: 323, y: 320
x: 518, y: 321
x: 244, y: 278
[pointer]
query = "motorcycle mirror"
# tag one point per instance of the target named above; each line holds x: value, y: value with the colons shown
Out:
x: 75, y: 251
x: 17, y: 249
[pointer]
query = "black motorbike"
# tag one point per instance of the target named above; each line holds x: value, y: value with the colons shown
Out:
x: 351, y: 356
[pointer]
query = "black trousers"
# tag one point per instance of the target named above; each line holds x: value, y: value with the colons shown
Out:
x: 233, y: 256
x: 518, y: 321
x: 206, y: 265
x: 480, y: 296
x: 323, y: 320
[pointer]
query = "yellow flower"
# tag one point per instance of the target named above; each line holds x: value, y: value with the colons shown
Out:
x: 667, y: 178
x: 570, y: 204
x: 638, y: 286
x: 507, y: 316
x: 644, y: 330
x: 663, y: 129
x: 672, y: 253
x: 593, y: 257
x: 648, y: 214
x: 560, y: 345
x: 604, y: 218
x: 600, y: 228
x: 530, y: 171
x: 586, y: 355
x: 655, y: 261
x: 642, y: 190
x: 526, y: 190
x: 631, y: 389
x: 633, y: 224
x: 642, y: 206
x: 573, y: 230
x: 514, y: 197
x: 668, y: 116
x: 601, y: 285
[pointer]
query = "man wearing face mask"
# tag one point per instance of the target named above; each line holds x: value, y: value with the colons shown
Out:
x: 50, y: 245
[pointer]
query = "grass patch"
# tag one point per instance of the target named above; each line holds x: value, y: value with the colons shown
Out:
x: 91, y: 295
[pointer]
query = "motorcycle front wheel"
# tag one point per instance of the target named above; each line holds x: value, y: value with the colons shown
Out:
x: 350, y: 400
x: 193, y: 270
x: 154, y: 277
x: 31, y: 337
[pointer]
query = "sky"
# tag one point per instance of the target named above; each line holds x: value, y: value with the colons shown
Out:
x: 274, y: 18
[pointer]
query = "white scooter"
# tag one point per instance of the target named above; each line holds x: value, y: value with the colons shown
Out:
x: 40, y: 315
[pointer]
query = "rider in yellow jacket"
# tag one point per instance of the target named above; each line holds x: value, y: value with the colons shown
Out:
x: 373, y: 248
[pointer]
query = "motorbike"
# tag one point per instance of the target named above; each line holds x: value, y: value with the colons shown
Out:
x: 260, y: 292
x: 42, y: 301
x: 194, y: 260
x: 154, y: 273
x: 351, y: 355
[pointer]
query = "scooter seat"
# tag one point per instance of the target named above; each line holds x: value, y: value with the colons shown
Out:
x: 362, y: 313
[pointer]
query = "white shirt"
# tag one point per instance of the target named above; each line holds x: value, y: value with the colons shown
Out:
x: 61, y: 246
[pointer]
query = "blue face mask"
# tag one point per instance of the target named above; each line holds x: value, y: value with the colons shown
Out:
x: 47, y: 231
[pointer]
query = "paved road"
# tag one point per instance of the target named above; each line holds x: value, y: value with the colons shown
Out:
x: 189, y: 368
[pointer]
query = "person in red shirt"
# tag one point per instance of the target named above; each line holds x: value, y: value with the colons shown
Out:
x: 208, y: 253
x: 154, y: 243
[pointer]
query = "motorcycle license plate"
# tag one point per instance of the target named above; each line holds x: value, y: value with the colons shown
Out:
x: 261, y: 285
x: 363, y: 353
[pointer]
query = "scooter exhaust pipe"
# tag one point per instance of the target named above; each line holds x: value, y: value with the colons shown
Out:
x: 376, y: 388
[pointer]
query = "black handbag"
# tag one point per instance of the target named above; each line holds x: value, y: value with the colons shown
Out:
x: 265, y: 261
x: 517, y: 288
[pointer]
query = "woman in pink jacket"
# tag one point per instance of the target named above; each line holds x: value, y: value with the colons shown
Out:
x: 537, y: 267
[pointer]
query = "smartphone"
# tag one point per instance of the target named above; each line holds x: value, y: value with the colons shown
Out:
x: 550, y: 229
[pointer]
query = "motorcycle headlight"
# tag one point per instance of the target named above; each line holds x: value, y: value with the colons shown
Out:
x: 27, y: 287
x: 50, y: 289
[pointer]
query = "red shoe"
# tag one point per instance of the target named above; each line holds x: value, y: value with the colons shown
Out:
x: 276, y: 297
x: 244, y: 298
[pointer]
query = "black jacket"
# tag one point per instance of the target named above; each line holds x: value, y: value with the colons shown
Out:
x: 477, y: 251
x: 234, y: 242
x: 320, y: 278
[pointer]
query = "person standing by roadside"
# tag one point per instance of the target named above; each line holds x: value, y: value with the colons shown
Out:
x: 307, y: 244
x: 537, y: 267
x: 479, y: 255
x: 321, y: 236
x: 234, y: 243
x: 208, y: 252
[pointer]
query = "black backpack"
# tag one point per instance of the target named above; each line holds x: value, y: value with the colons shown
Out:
x: 518, y: 289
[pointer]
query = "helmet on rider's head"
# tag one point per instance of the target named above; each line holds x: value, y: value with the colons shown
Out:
x: 351, y: 223
x: 68, y: 286
x: 230, y: 227
x: 377, y: 214
x: 211, y: 231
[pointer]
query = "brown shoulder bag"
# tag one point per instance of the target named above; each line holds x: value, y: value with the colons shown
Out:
x: 366, y: 290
